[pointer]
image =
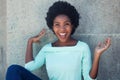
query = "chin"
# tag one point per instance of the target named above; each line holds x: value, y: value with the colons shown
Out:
x: 63, y: 41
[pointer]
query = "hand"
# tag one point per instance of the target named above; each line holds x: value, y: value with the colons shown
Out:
x: 39, y: 36
x: 101, y: 47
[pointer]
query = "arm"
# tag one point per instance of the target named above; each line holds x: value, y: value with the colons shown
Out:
x: 98, y: 51
x: 29, y: 50
x: 86, y: 62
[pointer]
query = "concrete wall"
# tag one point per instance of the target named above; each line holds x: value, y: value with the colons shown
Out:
x: 2, y: 38
x: 25, y: 19
x: 100, y: 19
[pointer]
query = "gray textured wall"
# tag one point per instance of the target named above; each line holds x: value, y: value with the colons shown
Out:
x: 99, y: 19
x: 2, y: 38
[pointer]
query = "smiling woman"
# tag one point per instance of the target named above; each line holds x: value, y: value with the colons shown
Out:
x: 62, y: 27
x: 66, y: 58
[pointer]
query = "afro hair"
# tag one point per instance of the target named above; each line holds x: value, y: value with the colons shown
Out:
x: 64, y: 8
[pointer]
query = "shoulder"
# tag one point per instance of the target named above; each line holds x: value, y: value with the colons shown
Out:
x: 84, y: 48
x: 46, y: 46
x: 82, y: 44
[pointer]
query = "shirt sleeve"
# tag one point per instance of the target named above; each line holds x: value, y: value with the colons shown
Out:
x: 86, y: 62
x: 37, y: 62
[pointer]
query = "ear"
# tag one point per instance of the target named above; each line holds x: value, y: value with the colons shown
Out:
x: 52, y: 30
x: 73, y: 30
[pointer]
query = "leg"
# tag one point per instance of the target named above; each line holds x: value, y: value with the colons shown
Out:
x: 16, y: 72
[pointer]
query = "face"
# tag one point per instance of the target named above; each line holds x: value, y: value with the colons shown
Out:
x: 62, y: 28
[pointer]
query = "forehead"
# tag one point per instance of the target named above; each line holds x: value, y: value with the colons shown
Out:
x: 62, y: 17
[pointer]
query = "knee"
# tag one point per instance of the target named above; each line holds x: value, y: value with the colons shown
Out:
x: 12, y: 71
x: 13, y: 68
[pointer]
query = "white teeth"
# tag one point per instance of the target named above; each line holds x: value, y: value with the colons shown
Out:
x: 62, y: 34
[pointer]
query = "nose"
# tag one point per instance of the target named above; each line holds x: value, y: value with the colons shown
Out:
x: 62, y: 27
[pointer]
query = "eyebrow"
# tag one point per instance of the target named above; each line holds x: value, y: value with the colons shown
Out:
x: 65, y: 21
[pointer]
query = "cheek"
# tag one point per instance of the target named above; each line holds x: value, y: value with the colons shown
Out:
x: 69, y: 29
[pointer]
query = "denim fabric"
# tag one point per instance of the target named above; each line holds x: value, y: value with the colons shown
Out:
x: 17, y: 72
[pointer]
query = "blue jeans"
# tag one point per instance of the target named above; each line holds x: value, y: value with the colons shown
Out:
x: 16, y: 72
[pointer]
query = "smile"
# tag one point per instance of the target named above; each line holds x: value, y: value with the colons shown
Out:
x: 62, y: 35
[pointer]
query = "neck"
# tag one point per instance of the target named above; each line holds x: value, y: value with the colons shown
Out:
x: 70, y: 42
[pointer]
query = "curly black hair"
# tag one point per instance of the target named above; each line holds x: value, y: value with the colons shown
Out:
x: 65, y: 8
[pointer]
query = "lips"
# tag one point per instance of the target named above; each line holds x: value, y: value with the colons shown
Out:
x: 62, y: 35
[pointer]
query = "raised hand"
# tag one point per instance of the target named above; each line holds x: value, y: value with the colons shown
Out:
x: 29, y: 50
x: 102, y: 46
x: 39, y: 36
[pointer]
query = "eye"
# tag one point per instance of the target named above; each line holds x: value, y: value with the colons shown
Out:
x: 56, y: 25
x: 67, y: 24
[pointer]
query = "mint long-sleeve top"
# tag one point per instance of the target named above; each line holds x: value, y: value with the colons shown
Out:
x: 64, y: 63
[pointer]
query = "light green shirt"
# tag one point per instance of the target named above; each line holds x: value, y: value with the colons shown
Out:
x: 64, y: 63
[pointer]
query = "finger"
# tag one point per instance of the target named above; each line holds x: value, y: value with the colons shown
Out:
x: 43, y: 31
x: 103, y: 45
x: 107, y: 43
x: 99, y: 45
x: 41, y: 34
x: 109, y: 40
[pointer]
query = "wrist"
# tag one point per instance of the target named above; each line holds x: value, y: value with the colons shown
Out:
x: 30, y: 40
x: 97, y: 55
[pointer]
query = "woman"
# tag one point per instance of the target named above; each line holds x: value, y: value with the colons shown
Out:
x: 66, y: 58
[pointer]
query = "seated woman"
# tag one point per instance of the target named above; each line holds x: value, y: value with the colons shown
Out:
x: 66, y: 58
